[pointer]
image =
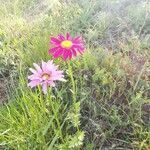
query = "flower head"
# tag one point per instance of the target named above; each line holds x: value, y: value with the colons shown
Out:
x: 66, y: 47
x: 45, y: 75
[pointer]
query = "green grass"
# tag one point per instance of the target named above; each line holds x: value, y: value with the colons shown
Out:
x: 105, y: 102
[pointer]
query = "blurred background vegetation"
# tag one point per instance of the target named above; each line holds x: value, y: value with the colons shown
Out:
x: 112, y: 77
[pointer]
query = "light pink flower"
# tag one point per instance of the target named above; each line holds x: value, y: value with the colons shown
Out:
x: 45, y: 75
x: 66, y: 47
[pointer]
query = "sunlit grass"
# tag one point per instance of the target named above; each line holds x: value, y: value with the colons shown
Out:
x: 110, y: 82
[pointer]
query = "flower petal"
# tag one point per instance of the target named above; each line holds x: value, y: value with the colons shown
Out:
x: 58, y: 53
x: 78, y: 47
x: 65, y: 54
x: 34, y: 83
x: 52, y: 50
x: 44, y: 64
x: 74, y: 52
x: 69, y: 54
x: 44, y: 88
x: 33, y: 70
x: 34, y: 77
x: 77, y: 39
x: 61, y: 37
x: 68, y: 37
x: 38, y: 68
x: 55, y: 41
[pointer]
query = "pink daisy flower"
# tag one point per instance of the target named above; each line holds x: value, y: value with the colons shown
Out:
x: 66, y: 47
x: 46, y: 75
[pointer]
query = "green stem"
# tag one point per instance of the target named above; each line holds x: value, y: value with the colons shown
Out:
x: 72, y: 82
x: 73, y: 87
x: 41, y: 100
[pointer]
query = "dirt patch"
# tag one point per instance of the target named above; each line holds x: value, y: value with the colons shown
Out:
x: 135, y: 65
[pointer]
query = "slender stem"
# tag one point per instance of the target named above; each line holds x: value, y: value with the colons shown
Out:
x: 41, y: 100
x: 73, y: 88
x: 72, y: 82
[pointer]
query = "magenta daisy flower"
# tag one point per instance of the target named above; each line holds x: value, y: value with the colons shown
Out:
x: 46, y: 75
x: 66, y: 47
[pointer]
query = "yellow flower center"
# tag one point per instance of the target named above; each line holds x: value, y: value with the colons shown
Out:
x: 66, y: 44
x: 45, y: 76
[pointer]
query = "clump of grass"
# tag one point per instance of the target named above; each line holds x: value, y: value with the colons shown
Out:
x: 114, y: 105
x: 36, y: 121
